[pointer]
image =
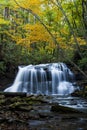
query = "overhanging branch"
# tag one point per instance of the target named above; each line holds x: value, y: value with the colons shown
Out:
x: 52, y: 36
x: 37, y: 17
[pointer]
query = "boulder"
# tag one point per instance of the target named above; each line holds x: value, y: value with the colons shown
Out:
x: 64, y: 109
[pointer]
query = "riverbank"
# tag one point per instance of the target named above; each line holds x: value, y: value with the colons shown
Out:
x: 37, y: 113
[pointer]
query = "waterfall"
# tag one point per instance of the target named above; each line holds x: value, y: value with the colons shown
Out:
x: 49, y: 79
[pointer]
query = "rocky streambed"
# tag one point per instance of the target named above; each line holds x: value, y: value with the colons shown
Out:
x: 38, y: 112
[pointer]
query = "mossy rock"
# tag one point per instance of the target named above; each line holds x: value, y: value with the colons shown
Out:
x: 2, y: 96
x: 63, y: 109
x: 20, y: 106
x: 17, y: 104
x: 34, y: 100
x: 2, y: 101
x: 80, y: 93
x: 85, y: 88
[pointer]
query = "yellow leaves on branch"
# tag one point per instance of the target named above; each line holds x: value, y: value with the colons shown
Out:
x: 3, y: 22
x: 24, y: 42
x: 37, y: 33
x: 50, y: 48
x: 80, y: 41
x: 28, y: 3
x: 34, y: 5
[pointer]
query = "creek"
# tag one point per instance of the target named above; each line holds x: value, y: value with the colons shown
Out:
x: 55, y: 82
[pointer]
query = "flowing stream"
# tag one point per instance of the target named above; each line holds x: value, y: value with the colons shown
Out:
x: 55, y: 82
x: 47, y: 79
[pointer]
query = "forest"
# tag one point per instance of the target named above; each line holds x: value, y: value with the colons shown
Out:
x: 45, y: 41
x: 43, y: 31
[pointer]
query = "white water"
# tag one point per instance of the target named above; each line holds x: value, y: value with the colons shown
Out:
x: 49, y: 79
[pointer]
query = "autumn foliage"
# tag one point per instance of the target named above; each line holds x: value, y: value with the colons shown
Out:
x: 55, y: 29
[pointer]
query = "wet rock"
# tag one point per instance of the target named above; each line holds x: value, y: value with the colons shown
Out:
x: 13, y: 94
x: 19, y: 113
x: 2, y: 101
x: 2, y: 96
x: 80, y: 93
x: 73, y: 102
x: 63, y: 109
x: 44, y: 115
x: 70, y: 118
x: 20, y: 106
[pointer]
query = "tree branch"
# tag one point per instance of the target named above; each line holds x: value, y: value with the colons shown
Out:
x: 58, y: 4
x: 52, y: 36
x: 37, y: 17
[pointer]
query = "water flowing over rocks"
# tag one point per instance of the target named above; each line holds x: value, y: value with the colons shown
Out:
x: 39, y: 99
x: 48, y: 79
x: 38, y: 112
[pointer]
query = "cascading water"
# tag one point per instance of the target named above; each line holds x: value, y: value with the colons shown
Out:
x: 49, y: 79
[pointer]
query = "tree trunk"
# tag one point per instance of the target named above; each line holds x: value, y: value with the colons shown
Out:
x: 6, y: 13
x: 84, y: 13
x: 52, y: 36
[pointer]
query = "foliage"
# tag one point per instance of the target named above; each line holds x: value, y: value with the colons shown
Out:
x: 24, y: 39
x: 2, y: 67
x: 83, y: 63
x: 3, y: 22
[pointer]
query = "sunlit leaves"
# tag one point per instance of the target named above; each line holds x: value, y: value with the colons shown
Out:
x: 27, y: 30
x: 80, y: 40
x: 30, y: 4
x: 36, y: 33
x: 3, y: 22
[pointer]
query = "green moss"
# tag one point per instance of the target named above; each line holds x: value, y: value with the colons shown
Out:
x: 17, y: 104
x: 2, y: 101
